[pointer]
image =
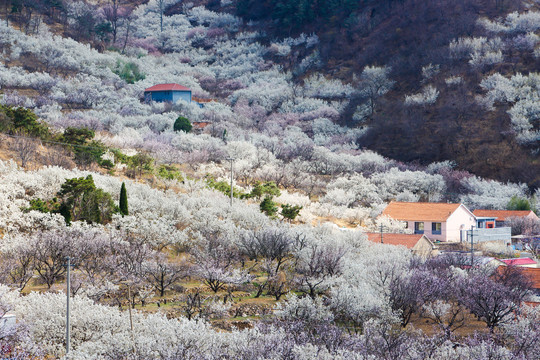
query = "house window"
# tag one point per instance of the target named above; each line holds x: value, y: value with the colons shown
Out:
x: 418, y: 227
x: 436, y: 228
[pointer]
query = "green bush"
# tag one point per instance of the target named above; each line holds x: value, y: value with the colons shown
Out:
x: 129, y: 72
x: 169, y: 172
x: 85, y: 149
x: 22, y: 120
x: 517, y: 203
x: 224, y: 187
x: 268, y: 206
x: 260, y: 189
x: 182, y: 124
x: 43, y: 206
x: 290, y: 212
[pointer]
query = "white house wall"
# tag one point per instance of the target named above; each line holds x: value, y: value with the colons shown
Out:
x: 461, y: 219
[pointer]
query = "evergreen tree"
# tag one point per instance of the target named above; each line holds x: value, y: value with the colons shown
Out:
x: 81, y: 200
x: 85, y: 149
x: 290, y: 212
x: 517, y: 203
x: 268, y: 206
x: 123, y: 200
x: 182, y: 124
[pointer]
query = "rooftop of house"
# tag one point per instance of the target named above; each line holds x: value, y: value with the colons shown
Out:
x: 167, y: 87
x: 501, y: 215
x: 519, y: 261
x: 420, y: 211
x: 534, y: 275
x: 203, y: 101
x: 407, y: 240
x: 200, y: 124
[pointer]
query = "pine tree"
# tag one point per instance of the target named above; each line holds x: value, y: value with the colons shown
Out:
x: 290, y: 212
x: 123, y: 200
x: 268, y: 206
x: 182, y: 124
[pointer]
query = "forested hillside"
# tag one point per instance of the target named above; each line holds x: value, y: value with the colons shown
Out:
x: 441, y: 54
x: 235, y: 225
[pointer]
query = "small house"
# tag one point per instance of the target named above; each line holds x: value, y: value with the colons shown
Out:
x: 167, y: 93
x: 497, y: 218
x: 199, y: 126
x: 438, y: 221
x: 419, y: 244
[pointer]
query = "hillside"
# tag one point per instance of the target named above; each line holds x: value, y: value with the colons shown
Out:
x: 409, y: 36
x: 236, y: 226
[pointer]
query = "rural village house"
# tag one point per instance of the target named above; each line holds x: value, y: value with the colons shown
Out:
x: 438, y: 221
x: 167, y: 93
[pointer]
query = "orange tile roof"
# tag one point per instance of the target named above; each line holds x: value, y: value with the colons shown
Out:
x: 409, y: 211
x: 407, y: 240
x: 200, y: 124
x: 501, y: 215
x: 534, y: 275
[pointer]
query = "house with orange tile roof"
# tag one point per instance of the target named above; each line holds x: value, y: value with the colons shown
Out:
x: 444, y: 222
x: 438, y: 221
x: 419, y: 244
x: 497, y: 218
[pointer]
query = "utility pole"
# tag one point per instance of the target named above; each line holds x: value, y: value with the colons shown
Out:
x: 381, y: 229
x: 472, y: 246
x: 231, y: 160
x: 68, y: 293
x: 129, y: 308
x: 128, y: 284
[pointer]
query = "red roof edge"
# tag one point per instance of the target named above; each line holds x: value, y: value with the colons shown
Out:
x: 167, y: 87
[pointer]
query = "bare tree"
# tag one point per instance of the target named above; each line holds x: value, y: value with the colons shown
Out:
x: 50, y: 250
x: 17, y: 267
x: 25, y: 148
x: 215, y: 260
x: 192, y: 304
x: 129, y: 257
x: 494, y: 299
x: 57, y: 156
x: 315, y: 264
x: 273, y: 245
x: 162, y: 274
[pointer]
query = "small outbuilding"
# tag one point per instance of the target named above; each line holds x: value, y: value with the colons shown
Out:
x: 419, y: 244
x: 167, y: 93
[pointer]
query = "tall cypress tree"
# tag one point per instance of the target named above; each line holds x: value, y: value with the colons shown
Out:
x: 123, y: 200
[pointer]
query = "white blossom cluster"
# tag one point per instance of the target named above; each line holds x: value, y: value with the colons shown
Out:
x: 522, y: 91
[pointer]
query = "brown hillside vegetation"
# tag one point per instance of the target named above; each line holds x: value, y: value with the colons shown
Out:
x: 407, y: 35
